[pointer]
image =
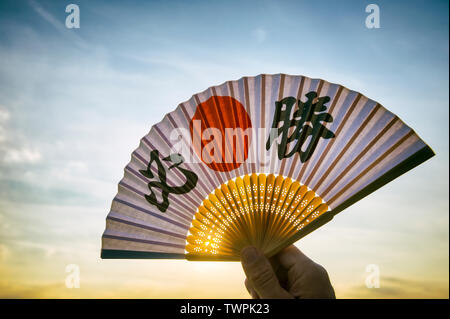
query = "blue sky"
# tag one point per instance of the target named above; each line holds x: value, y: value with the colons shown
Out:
x: 75, y: 102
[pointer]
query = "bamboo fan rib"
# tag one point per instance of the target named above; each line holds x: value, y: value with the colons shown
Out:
x: 326, y: 139
x: 259, y: 210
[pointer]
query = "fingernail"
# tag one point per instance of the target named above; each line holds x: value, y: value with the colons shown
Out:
x: 249, y: 254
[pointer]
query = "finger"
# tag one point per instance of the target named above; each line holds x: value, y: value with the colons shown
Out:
x: 295, y: 265
x: 292, y: 256
x: 250, y: 289
x: 260, y: 274
x: 310, y: 278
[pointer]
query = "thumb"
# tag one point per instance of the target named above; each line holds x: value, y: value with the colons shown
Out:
x: 260, y: 274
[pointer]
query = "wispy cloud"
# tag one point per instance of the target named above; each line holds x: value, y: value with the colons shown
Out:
x: 9, y: 152
x: 397, y: 287
x: 23, y: 155
x: 4, y: 117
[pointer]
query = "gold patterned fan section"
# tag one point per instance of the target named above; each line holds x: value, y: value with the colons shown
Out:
x: 258, y: 210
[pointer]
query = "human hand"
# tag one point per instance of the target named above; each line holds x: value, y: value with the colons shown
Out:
x: 289, y: 274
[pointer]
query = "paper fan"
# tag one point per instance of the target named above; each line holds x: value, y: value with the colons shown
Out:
x: 260, y: 161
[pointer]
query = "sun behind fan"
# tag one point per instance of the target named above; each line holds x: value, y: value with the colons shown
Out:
x: 258, y: 210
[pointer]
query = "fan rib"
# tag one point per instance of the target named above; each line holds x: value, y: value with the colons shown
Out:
x: 237, y: 120
x: 347, y: 115
x: 375, y: 163
x: 134, y: 206
x: 346, y: 147
x: 358, y: 158
x: 299, y: 95
x: 203, y: 168
x: 322, y: 128
x: 143, y: 226
x: 258, y: 210
x: 143, y: 241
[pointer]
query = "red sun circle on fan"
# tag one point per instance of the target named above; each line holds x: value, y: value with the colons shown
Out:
x: 221, y: 133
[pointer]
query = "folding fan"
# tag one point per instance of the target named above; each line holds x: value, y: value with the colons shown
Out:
x: 260, y: 161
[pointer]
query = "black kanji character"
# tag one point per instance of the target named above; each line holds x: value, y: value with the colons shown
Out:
x: 166, y: 190
x: 307, y: 121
